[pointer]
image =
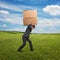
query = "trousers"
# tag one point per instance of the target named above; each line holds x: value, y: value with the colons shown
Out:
x: 24, y: 43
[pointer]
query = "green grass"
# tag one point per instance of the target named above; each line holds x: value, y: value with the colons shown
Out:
x: 46, y: 46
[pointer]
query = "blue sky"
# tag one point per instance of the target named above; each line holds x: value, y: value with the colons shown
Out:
x: 11, y: 15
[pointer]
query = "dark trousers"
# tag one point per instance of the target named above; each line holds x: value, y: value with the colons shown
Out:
x: 24, y: 43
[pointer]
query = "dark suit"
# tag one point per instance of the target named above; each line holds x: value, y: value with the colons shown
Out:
x: 25, y: 38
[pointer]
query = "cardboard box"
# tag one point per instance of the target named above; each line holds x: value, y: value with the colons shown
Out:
x: 30, y: 17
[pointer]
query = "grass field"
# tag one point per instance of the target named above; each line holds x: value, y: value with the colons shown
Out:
x: 46, y: 46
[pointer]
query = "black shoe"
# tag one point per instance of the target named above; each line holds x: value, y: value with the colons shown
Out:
x: 31, y: 50
x: 19, y: 50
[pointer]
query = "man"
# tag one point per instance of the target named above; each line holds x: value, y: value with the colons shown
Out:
x: 26, y: 36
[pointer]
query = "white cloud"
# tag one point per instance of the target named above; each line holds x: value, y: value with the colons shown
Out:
x: 12, y: 18
x: 4, y: 12
x: 8, y: 6
x: 49, y: 22
x: 53, y: 10
x: 3, y: 26
x: 18, y: 8
x: 16, y: 29
x: 47, y: 25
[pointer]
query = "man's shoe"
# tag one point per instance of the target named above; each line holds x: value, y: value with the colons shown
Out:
x: 32, y: 50
x: 19, y: 50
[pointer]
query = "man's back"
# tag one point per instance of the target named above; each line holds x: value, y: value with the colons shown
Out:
x: 27, y: 32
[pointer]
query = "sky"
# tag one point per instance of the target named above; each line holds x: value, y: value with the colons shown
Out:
x: 48, y: 15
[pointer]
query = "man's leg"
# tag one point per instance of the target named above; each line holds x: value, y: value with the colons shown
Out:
x: 24, y: 43
x: 30, y: 44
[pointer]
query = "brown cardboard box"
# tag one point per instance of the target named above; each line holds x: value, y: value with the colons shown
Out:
x: 30, y: 17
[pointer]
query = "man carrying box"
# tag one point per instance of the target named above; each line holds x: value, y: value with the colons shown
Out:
x: 25, y: 38
x: 30, y: 19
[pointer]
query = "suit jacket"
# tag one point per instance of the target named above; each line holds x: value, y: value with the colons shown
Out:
x: 28, y: 30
